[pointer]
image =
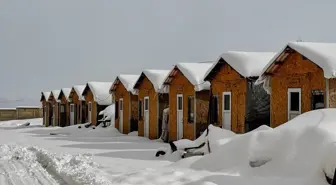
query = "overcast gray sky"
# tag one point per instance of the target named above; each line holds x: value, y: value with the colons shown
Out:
x: 47, y: 45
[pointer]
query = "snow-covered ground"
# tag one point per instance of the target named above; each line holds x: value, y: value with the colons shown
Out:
x: 299, y: 152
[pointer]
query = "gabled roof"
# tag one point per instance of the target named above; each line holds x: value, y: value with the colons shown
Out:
x: 194, y: 72
x: 156, y: 77
x: 247, y: 64
x: 45, y: 96
x: 55, y: 94
x: 65, y: 92
x: 100, y: 91
x: 322, y: 54
x: 127, y: 80
x: 79, y: 91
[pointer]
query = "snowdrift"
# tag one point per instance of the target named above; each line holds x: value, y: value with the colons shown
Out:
x: 303, y: 148
x: 37, y: 122
x: 99, y: 131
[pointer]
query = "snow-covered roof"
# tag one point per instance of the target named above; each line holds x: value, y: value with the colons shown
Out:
x: 56, y: 93
x: 247, y: 64
x: 195, y: 73
x: 79, y: 91
x: 322, y: 54
x: 156, y: 77
x: 46, y: 95
x: 100, y: 91
x: 128, y: 82
x: 65, y: 92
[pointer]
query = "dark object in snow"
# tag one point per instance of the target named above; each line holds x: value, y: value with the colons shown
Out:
x: 79, y: 126
x: 88, y: 125
x: 191, y: 154
x: 172, y: 146
x: 331, y: 180
x: 93, y: 127
x: 53, y: 134
x: 158, y: 153
x: 259, y: 163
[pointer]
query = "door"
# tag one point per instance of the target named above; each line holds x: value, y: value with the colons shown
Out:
x: 89, y: 112
x: 294, y: 102
x: 179, y: 116
x: 146, y: 116
x: 121, y: 115
x: 72, y: 114
x: 226, y: 115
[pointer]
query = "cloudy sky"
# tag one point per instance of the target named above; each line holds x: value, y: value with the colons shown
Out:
x: 47, y: 44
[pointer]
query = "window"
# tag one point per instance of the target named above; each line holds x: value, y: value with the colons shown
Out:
x: 121, y: 104
x: 215, y: 109
x: 317, y: 100
x: 116, y: 110
x: 140, y: 110
x: 191, y: 109
x: 227, y: 102
x: 62, y: 108
x: 179, y: 103
x: 146, y: 103
x: 295, y: 101
x: 89, y: 106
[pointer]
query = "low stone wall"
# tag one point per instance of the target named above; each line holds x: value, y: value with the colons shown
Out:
x: 20, y: 113
x: 7, y: 114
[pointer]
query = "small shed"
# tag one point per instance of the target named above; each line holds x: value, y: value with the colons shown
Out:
x: 188, y: 100
x: 47, y: 108
x: 97, y: 98
x: 237, y: 104
x: 126, y: 102
x: 300, y: 78
x: 65, y: 111
x: 153, y: 99
x: 79, y: 104
x: 54, y: 104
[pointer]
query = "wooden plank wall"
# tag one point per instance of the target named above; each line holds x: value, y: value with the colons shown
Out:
x: 295, y: 72
x: 227, y: 79
x: 180, y: 85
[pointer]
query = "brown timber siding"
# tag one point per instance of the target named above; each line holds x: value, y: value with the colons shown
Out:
x: 180, y: 85
x: 89, y: 98
x: 332, y: 93
x: 66, y: 104
x: 146, y: 89
x: 7, y: 114
x: 295, y: 72
x: 121, y: 92
x: 229, y: 80
x: 28, y: 113
x: 202, y: 109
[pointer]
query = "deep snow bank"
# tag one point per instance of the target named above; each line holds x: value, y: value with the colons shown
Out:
x: 20, y: 123
x: 64, y: 169
x: 75, y: 131
x: 302, y: 148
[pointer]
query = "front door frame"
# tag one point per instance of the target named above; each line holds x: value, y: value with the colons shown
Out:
x: 289, y: 91
x: 226, y: 111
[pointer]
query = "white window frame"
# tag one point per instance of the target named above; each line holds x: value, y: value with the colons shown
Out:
x: 289, y: 91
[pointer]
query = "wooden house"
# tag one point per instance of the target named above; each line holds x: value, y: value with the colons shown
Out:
x: 66, y: 113
x: 237, y: 104
x: 54, y: 104
x: 300, y: 78
x: 188, y: 100
x: 126, y: 103
x: 97, y: 98
x: 47, y: 108
x: 79, y: 104
x: 153, y: 99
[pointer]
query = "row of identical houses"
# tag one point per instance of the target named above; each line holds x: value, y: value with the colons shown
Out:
x: 239, y: 91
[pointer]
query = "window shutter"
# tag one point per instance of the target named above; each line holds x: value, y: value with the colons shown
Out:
x: 189, y: 109
x: 140, y: 110
x: 215, y: 112
x: 116, y: 110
